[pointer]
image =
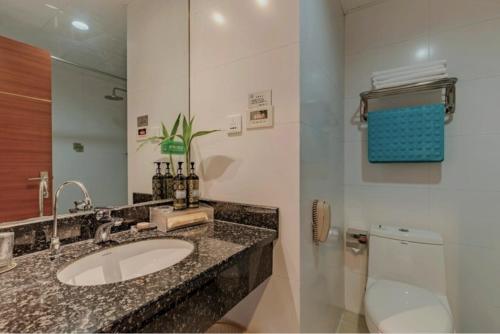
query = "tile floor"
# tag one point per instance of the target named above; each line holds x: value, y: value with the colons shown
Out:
x: 352, y: 323
x: 349, y: 323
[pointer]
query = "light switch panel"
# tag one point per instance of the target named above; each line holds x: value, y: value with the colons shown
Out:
x: 262, y: 117
x: 142, y: 131
x: 260, y: 99
x: 234, y: 124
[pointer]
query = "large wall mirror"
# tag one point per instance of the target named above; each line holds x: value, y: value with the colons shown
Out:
x: 76, y: 76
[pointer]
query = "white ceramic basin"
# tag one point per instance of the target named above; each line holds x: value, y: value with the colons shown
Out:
x: 125, y: 262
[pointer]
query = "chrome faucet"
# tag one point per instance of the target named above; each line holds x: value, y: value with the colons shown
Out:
x: 103, y: 232
x: 55, y: 244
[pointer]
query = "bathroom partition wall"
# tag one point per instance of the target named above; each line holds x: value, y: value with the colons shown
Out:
x: 321, y: 161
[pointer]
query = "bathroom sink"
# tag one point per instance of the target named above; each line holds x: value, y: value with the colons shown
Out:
x: 122, y: 263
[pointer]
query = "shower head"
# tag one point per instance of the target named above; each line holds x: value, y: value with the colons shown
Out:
x: 114, y: 96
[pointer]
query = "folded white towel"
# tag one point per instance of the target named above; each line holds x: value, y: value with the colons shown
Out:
x: 414, y: 75
x: 433, y: 70
x: 415, y: 67
x: 411, y: 81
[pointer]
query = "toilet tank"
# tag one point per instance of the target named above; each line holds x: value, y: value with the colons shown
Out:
x: 407, y: 255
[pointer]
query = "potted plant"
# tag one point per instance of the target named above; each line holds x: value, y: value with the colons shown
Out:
x: 188, y: 136
x: 167, y: 139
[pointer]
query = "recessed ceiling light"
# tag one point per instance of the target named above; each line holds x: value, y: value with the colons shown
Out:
x: 218, y: 18
x: 51, y: 6
x: 422, y: 53
x: 262, y: 3
x: 80, y: 25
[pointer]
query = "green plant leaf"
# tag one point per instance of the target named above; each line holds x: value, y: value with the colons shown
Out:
x: 186, y: 137
x: 176, y: 125
x: 181, y: 137
x: 164, y: 130
x: 190, y: 127
x: 184, y: 128
x: 201, y: 133
x: 149, y: 140
x: 142, y: 144
x: 186, y: 132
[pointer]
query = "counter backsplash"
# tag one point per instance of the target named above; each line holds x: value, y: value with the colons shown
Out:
x: 34, y: 235
x: 247, y: 214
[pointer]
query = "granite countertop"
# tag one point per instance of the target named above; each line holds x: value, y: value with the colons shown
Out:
x: 33, y: 300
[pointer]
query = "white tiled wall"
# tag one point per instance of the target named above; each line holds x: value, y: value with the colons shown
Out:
x: 255, y: 46
x: 321, y: 160
x: 457, y: 198
x: 158, y: 83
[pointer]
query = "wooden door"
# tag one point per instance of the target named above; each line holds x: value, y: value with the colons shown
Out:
x: 25, y: 128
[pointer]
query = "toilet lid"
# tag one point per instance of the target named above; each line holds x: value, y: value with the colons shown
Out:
x: 398, y: 307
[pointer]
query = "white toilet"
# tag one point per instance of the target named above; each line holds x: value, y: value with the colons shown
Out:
x: 406, y: 288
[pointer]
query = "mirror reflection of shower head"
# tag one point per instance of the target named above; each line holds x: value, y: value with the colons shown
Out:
x: 114, y: 96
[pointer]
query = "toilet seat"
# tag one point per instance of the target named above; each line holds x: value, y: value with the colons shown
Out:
x: 395, y: 307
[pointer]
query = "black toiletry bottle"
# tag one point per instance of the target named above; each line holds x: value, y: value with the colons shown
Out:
x: 193, y: 189
x: 168, y: 183
x: 162, y: 180
x: 180, y: 193
x: 157, y: 183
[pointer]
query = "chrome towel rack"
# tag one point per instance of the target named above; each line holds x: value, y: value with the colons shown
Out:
x: 447, y: 84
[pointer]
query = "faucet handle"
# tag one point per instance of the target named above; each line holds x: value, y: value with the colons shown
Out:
x: 88, y: 205
x: 103, y: 213
x: 118, y: 221
x: 81, y: 206
x: 103, y: 231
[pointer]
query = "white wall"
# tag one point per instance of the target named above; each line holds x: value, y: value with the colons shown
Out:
x: 322, y: 160
x: 158, y: 83
x: 256, y: 48
x: 80, y: 114
x: 459, y: 197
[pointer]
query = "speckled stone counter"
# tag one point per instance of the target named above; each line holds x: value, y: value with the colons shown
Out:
x: 141, y: 198
x: 254, y: 215
x: 229, y: 260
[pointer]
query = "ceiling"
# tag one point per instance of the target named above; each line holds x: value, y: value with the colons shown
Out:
x: 47, y: 24
x: 351, y: 5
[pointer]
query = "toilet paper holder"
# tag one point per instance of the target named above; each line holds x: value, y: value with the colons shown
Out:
x: 356, y: 240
